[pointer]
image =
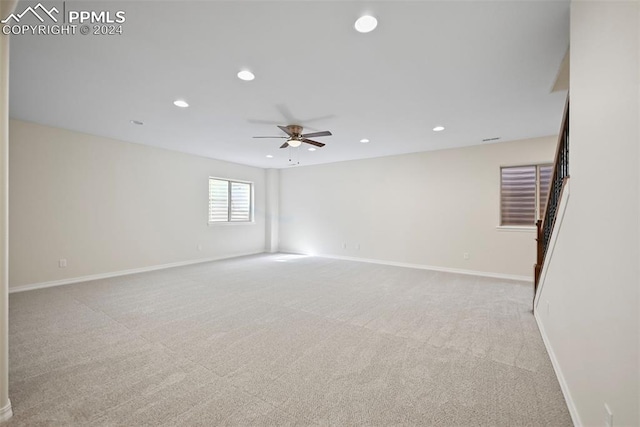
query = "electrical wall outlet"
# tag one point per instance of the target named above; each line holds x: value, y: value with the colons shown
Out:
x: 465, y: 255
x: 200, y: 248
x: 608, y: 417
x: 62, y: 263
x: 344, y: 246
x: 357, y: 246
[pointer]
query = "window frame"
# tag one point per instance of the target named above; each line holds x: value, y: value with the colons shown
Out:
x: 538, y: 214
x: 229, y: 182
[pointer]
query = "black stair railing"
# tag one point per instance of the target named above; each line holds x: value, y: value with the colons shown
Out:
x: 560, y: 175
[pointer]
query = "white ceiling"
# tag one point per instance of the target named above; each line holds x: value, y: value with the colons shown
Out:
x: 481, y: 69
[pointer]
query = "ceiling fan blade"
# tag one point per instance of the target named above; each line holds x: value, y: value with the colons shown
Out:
x: 285, y: 145
x: 285, y: 130
x: 315, y: 119
x: 271, y: 137
x: 316, y: 143
x: 286, y: 113
x: 264, y: 122
x: 311, y: 135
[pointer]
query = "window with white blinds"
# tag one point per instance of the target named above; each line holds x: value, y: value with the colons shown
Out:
x: 230, y: 201
x: 523, y: 193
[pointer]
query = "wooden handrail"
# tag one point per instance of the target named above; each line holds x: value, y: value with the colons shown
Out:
x: 545, y: 225
x: 541, y: 247
x: 563, y: 124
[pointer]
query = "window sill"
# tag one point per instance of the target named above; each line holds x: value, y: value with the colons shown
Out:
x: 227, y: 223
x: 517, y: 228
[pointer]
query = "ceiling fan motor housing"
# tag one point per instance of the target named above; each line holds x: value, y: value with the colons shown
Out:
x: 295, y: 130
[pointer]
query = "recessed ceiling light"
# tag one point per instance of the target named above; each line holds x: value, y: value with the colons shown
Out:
x: 246, y: 75
x: 364, y: 140
x: 365, y: 24
x: 438, y: 128
x: 312, y: 148
x: 180, y: 103
x: 269, y: 156
x: 136, y: 122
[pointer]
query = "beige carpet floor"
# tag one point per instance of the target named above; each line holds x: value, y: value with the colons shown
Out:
x: 281, y: 340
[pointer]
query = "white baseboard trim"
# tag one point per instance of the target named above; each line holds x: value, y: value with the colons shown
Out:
x: 573, y: 411
x: 6, y: 412
x: 562, y: 207
x: 69, y: 281
x: 429, y: 267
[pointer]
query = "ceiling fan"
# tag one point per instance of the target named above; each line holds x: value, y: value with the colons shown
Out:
x: 295, y: 137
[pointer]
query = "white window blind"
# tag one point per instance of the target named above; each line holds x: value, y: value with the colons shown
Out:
x: 240, y: 201
x: 523, y: 193
x: 218, y: 200
x: 230, y: 201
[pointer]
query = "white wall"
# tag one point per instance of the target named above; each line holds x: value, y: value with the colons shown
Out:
x: 6, y: 7
x: 423, y: 208
x: 592, y: 283
x: 108, y: 206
